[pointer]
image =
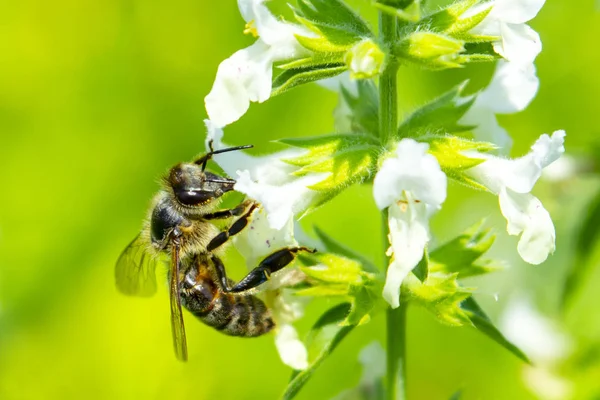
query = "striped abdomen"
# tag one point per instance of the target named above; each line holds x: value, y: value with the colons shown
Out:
x: 232, y: 314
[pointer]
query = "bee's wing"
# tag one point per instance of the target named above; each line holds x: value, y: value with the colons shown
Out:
x: 177, y: 326
x: 135, y: 270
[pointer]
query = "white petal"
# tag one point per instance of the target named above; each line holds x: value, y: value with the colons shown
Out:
x: 272, y: 30
x: 533, y: 333
x: 409, y: 233
x: 242, y: 78
x: 519, y: 44
x: 512, y: 88
x: 516, y: 11
x: 411, y: 169
x: 259, y: 239
x: 486, y: 128
x: 527, y: 216
x: 521, y: 174
x: 291, y: 349
x: 267, y: 179
x: 548, y: 149
x: 280, y: 198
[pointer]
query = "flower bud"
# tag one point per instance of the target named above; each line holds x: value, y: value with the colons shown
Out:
x: 365, y: 60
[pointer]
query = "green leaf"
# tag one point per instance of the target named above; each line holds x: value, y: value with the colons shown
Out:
x: 481, y: 321
x: 438, y: 116
x: 587, y: 236
x: 363, y: 108
x: 291, y: 78
x: 323, y: 338
x: 333, y: 246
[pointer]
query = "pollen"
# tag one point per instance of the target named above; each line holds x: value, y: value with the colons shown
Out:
x: 250, y: 29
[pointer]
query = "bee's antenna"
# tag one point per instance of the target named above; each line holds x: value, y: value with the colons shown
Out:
x: 204, y: 159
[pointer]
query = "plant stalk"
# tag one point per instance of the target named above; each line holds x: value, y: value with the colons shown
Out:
x: 388, y: 124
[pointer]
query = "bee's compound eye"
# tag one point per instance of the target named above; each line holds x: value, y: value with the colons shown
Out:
x: 194, y: 197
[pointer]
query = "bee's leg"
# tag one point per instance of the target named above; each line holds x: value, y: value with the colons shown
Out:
x: 235, y: 228
x: 221, y: 274
x: 270, y: 264
x: 233, y: 212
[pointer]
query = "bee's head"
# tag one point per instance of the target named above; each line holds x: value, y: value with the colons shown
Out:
x: 193, y: 186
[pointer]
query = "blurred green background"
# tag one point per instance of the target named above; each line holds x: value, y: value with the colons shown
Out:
x: 99, y: 98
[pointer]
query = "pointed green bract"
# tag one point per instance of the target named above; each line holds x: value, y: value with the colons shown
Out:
x: 348, y: 158
x: 451, y: 154
x: 441, y: 295
x: 335, y: 275
x: 439, y: 116
x: 325, y: 335
x: 461, y: 254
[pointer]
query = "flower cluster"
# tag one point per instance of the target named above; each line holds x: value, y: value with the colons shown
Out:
x: 452, y: 138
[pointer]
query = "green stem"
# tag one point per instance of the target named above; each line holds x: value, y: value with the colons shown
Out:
x: 388, y: 87
x: 388, y: 124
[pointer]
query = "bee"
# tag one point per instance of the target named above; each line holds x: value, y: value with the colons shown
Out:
x: 180, y: 228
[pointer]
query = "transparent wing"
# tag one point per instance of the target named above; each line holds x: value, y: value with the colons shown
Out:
x: 177, y: 326
x: 135, y: 272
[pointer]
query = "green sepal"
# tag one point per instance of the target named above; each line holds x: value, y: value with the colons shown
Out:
x: 409, y: 11
x: 461, y: 255
x: 483, y: 324
x: 335, y: 275
x: 440, y: 116
x: 450, y: 154
x: 317, y: 60
x: 430, y: 50
x: 291, y: 78
x: 441, y: 295
x: 421, y: 271
x: 325, y: 335
x: 449, y: 21
x: 348, y: 158
x: 333, y: 20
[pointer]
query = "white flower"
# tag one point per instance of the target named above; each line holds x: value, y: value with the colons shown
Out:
x: 543, y: 342
x: 256, y: 242
x: 518, y: 43
x: 268, y: 180
x: 246, y: 76
x: 512, y: 180
x: 536, y: 335
x: 511, y: 90
x: 412, y: 185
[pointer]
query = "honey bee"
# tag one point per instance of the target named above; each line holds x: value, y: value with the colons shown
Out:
x: 180, y: 226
